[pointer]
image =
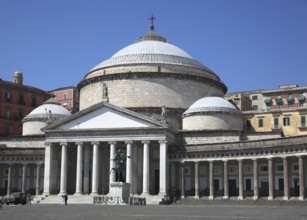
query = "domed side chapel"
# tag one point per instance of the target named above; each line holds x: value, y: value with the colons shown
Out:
x: 166, y: 113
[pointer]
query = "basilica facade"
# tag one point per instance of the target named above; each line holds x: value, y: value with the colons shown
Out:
x: 167, y: 113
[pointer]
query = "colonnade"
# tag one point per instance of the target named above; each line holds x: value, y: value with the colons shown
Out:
x: 82, y: 163
x: 240, y: 176
x: 25, y: 166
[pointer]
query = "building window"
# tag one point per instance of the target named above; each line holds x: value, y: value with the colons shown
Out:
x: 276, y: 123
x: 295, y: 167
x: 290, y: 105
x: 278, y: 106
x: 263, y: 168
x: 268, y: 107
x: 248, y: 185
x: 21, y: 100
x: 255, y: 97
x: 8, y: 130
x: 232, y: 169
x: 248, y: 169
x: 280, y: 168
x: 255, y: 107
x: 8, y: 96
x: 8, y: 113
x: 260, y: 122
x: 248, y: 125
x: 286, y: 121
x: 303, y: 121
x: 20, y: 115
x: 33, y: 103
x: 65, y: 96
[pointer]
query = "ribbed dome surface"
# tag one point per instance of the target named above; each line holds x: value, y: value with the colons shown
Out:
x: 151, y: 49
x: 55, y: 109
x: 52, y: 105
x: 211, y: 104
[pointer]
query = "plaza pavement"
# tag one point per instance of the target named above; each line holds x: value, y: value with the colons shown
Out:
x: 182, y: 210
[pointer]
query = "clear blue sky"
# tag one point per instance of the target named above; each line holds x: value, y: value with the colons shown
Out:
x: 250, y: 44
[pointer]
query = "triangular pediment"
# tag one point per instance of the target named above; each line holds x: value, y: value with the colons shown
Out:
x: 104, y: 116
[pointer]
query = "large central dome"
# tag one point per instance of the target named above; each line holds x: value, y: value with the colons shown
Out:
x: 151, y: 49
x: 149, y: 74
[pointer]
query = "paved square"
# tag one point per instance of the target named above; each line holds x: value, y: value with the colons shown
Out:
x: 214, y: 212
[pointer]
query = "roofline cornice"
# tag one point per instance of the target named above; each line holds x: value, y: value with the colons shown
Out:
x: 134, y: 75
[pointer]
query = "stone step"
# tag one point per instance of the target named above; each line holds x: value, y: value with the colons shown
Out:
x: 83, y: 199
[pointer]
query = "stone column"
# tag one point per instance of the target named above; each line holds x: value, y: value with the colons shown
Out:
x: 63, y: 168
x: 286, y: 178
x: 226, y: 180
x: 241, y: 185
x: 271, y: 179
x: 211, y: 180
x: 196, y: 196
x: 9, y: 181
x: 24, y: 177
x: 301, y: 177
x: 86, y: 172
x: 256, y: 188
x: 95, y: 168
x: 146, y: 168
x: 129, y: 165
x: 112, y: 163
x: 163, y: 169
x: 38, y: 174
x: 47, y: 168
x: 182, y: 181
x: 79, y: 168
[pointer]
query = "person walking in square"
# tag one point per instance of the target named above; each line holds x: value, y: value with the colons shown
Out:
x: 62, y: 199
x: 65, y: 198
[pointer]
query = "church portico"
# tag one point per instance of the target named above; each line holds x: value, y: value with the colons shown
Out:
x: 101, y: 170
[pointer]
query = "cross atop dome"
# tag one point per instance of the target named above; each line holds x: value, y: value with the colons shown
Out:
x: 152, y: 18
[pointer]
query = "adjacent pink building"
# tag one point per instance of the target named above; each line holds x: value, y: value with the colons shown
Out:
x: 68, y: 97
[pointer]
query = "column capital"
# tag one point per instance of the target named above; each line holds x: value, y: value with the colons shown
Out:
x: 225, y: 160
x: 95, y: 143
x: 128, y: 142
x: 79, y: 143
x: 299, y: 156
x: 63, y: 143
x: 255, y: 159
x: 163, y: 142
x: 48, y: 144
x: 240, y: 160
x: 112, y: 142
x: 145, y: 142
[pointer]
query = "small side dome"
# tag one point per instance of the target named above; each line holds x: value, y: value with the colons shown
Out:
x: 212, y: 113
x: 45, y: 114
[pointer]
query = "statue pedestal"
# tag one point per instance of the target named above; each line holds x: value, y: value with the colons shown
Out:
x: 120, y: 190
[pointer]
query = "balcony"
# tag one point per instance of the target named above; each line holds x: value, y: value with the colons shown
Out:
x: 301, y: 98
x: 290, y: 99
x: 268, y: 100
x: 276, y: 127
x: 279, y: 100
